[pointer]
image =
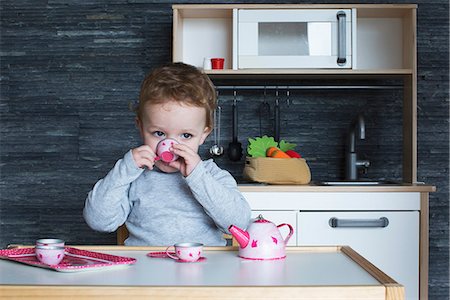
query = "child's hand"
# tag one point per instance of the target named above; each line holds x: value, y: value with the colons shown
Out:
x: 144, y: 156
x: 188, y: 160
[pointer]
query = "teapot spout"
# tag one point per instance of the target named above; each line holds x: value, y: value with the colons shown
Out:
x: 241, y: 236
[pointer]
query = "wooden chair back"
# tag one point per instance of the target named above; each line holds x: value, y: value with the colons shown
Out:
x: 122, y: 234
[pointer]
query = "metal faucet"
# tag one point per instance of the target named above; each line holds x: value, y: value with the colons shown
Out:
x: 352, y: 164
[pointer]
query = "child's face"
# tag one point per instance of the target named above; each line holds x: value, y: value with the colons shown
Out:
x: 186, y: 124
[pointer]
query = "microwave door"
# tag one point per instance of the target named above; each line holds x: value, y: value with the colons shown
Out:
x: 293, y: 36
x: 290, y: 42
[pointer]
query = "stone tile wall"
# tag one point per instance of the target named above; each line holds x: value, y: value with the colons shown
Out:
x: 69, y: 69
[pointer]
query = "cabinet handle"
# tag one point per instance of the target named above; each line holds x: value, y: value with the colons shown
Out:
x: 342, y: 39
x: 381, y: 222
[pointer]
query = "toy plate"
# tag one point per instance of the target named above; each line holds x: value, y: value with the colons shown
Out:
x: 75, y: 260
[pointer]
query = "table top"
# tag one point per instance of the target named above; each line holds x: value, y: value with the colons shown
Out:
x: 393, y: 188
x: 221, y: 268
x: 303, y: 267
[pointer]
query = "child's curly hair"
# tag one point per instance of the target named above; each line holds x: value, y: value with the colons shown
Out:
x: 178, y: 82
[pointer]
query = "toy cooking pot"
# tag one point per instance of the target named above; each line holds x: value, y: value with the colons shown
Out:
x: 262, y: 240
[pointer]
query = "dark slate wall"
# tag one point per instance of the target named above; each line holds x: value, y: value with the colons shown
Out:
x: 69, y: 69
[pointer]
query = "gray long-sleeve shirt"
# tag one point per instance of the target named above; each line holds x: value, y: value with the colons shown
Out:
x: 165, y: 208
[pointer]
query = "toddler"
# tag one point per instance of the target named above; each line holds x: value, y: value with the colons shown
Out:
x: 160, y: 202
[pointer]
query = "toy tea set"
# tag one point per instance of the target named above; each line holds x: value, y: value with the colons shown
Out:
x: 261, y: 241
x: 53, y: 254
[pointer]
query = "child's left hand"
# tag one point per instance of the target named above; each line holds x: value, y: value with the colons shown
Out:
x: 188, y: 160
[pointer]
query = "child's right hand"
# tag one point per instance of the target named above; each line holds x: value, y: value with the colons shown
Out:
x: 144, y: 156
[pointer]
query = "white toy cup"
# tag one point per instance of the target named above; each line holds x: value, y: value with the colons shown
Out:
x: 186, y: 252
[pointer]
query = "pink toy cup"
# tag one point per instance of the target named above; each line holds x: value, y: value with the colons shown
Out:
x: 217, y: 63
x: 186, y: 252
x: 163, y: 150
x: 49, y: 255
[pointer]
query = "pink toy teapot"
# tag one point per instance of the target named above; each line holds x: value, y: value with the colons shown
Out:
x: 262, y: 240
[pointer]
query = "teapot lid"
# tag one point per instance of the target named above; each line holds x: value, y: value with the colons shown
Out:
x: 260, y: 219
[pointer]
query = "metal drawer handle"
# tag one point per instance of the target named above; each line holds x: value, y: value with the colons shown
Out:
x: 342, y: 42
x: 381, y: 222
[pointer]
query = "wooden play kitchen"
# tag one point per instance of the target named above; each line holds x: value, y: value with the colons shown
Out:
x: 374, y: 41
x: 306, y: 272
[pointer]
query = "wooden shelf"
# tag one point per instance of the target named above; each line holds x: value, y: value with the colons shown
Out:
x: 282, y: 74
x: 385, y: 37
x: 313, y: 71
x: 389, y: 7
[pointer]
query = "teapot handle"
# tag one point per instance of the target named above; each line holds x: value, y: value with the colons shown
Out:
x: 291, y: 231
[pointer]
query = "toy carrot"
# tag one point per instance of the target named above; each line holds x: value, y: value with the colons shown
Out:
x: 276, y: 153
x: 280, y: 154
x: 270, y: 151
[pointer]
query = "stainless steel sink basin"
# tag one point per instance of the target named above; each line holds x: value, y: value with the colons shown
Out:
x: 357, y: 183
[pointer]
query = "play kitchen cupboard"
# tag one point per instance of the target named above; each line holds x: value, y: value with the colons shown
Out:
x: 388, y: 225
x: 380, y: 42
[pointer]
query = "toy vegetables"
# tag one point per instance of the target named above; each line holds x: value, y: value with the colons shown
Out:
x: 276, y: 153
x: 267, y: 147
x: 293, y: 154
x: 269, y: 161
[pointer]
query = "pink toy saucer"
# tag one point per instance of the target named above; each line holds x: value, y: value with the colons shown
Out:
x: 164, y: 255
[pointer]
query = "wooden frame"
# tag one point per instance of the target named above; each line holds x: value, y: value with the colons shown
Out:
x: 423, y: 246
x: 388, y: 289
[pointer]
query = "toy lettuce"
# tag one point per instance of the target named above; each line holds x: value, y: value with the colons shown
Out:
x: 258, y: 146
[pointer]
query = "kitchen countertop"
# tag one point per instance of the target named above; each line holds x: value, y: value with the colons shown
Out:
x: 404, y: 187
x: 322, y: 272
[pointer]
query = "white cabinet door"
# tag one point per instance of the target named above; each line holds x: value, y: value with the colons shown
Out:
x: 393, y: 248
x: 279, y: 217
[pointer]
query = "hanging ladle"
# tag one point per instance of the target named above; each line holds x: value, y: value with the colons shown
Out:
x: 235, y: 148
x: 216, y: 149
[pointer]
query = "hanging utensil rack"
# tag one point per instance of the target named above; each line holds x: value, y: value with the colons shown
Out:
x: 309, y: 87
